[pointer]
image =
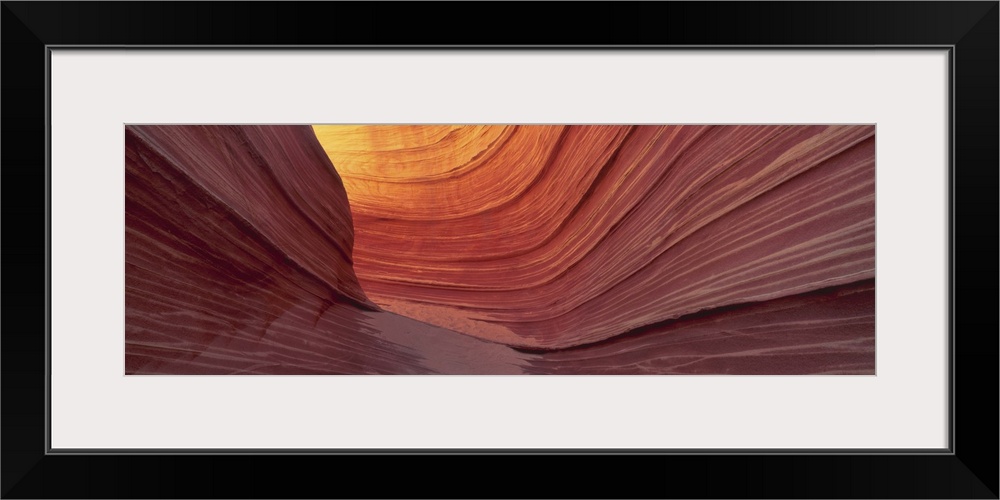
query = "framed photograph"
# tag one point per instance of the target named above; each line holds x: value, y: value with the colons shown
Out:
x: 720, y: 249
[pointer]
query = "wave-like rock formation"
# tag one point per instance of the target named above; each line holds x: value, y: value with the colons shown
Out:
x: 499, y: 249
x: 827, y: 331
x: 238, y: 260
x: 555, y: 236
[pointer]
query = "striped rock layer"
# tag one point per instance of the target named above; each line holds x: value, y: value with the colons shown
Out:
x: 555, y: 236
x: 499, y: 249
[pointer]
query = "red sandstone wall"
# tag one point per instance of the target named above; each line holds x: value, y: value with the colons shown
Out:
x: 237, y: 260
x: 555, y: 236
x: 606, y: 249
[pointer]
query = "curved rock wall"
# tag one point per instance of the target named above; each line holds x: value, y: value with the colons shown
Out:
x: 237, y: 260
x: 564, y: 249
x: 556, y: 236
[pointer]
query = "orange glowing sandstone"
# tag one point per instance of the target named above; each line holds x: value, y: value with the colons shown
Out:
x: 554, y: 236
x: 578, y: 242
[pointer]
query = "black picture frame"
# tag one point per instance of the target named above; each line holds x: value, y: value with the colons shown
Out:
x: 968, y: 30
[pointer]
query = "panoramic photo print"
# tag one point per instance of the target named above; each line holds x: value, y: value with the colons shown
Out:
x: 500, y: 249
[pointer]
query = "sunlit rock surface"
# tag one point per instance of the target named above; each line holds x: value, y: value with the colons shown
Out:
x: 556, y: 236
x: 499, y: 249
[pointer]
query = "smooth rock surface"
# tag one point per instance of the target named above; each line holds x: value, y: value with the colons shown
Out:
x: 557, y: 236
x: 499, y: 250
x: 219, y: 281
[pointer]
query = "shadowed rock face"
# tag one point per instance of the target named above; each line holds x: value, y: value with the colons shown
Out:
x: 237, y: 260
x: 500, y: 249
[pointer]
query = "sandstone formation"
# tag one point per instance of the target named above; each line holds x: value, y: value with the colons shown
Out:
x: 556, y: 236
x: 499, y: 249
x: 237, y: 260
x: 828, y: 331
